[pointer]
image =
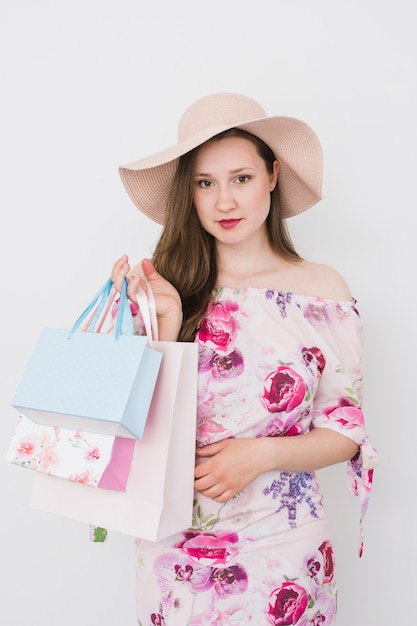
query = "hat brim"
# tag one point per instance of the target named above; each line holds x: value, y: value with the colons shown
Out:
x: 148, y: 181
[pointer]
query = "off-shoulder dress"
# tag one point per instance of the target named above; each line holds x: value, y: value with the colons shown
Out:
x: 271, y: 364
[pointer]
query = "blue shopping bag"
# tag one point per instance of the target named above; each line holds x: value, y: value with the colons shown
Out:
x: 158, y: 501
x: 91, y: 381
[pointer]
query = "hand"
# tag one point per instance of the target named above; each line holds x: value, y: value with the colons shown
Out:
x: 167, y: 300
x: 231, y: 466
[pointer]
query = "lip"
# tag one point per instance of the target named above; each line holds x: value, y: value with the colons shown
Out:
x: 229, y: 223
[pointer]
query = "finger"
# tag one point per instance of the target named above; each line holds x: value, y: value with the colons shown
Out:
x: 132, y: 288
x: 201, y: 471
x: 117, y: 280
x: 123, y: 259
x: 155, y: 279
x: 217, y: 493
x: 203, y: 452
x: 119, y: 271
x: 121, y: 263
x: 225, y: 496
x: 208, y: 487
x: 210, y: 450
x: 149, y: 270
x: 214, y: 493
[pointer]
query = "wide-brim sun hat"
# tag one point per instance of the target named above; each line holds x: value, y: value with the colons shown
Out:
x: 148, y: 181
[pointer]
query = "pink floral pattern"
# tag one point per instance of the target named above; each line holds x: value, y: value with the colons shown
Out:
x: 219, y: 328
x: 77, y: 456
x: 287, y: 604
x: 271, y: 364
x: 284, y: 390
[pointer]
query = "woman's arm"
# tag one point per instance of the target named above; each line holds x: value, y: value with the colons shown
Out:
x: 230, y: 465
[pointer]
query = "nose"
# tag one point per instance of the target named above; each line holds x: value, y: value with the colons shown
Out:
x: 225, y: 200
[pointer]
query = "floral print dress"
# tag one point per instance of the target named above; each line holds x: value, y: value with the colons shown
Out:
x: 271, y: 364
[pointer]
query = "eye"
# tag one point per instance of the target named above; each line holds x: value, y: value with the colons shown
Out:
x: 242, y: 179
x: 204, y: 184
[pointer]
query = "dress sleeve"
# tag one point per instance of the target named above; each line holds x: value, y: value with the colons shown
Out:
x: 338, y: 401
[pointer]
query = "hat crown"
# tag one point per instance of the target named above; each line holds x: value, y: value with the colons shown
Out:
x: 220, y: 109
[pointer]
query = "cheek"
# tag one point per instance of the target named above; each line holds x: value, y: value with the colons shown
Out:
x: 201, y: 215
x: 200, y: 205
x: 263, y: 200
x: 197, y: 200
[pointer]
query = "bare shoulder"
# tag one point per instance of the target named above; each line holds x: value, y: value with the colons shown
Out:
x: 322, y: 281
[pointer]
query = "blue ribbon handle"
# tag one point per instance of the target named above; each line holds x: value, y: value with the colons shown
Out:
x: 124, y: 322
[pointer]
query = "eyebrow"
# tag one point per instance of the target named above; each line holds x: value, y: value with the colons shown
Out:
x: 236, y: 171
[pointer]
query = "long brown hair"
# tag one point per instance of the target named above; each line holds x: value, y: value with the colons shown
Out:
x: 186, y: 254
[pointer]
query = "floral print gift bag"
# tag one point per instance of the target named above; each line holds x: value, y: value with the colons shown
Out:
x: 90, y: 458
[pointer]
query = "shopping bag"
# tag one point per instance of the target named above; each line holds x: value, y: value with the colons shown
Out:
x: 158, y: 501
x: 89, y: 458
x: 91, y: 381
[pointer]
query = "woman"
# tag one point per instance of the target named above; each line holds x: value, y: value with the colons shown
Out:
x: 279, y: 370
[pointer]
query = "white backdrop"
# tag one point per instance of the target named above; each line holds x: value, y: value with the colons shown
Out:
x: 87, y: 85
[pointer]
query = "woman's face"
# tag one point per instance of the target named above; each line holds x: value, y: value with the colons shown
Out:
x: 231, y: 190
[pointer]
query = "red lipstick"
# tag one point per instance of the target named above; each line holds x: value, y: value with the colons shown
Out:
x: 229, y: 223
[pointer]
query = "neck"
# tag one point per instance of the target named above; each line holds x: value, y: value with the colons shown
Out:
x: 239, y: 268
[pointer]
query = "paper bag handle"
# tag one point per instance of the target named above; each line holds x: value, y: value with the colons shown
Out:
x: 124, y: 323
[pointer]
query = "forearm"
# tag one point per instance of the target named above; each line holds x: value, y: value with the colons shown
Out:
x: 302, y: 453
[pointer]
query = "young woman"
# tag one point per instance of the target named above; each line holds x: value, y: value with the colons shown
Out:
x: 279, y: 394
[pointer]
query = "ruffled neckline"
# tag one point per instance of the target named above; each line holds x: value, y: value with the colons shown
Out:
x: 257, y: 292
